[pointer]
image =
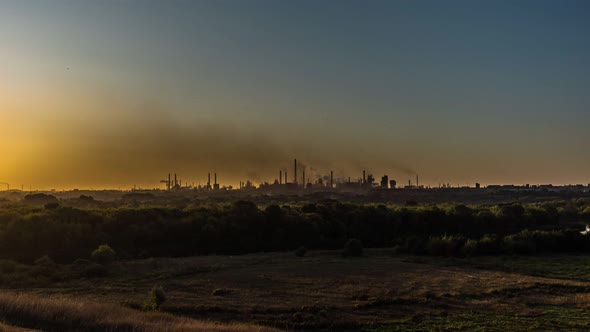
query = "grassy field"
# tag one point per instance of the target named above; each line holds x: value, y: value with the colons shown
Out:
x: 324, y: 291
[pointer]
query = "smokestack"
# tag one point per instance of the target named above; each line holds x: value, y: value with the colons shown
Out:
x: 175, y: 182
x: 331, y: 180
x: 215, y: 178
x: 285, y: 177
x: 169, y: 181
x: 281, y: 177
x: 416, y: 180
x: 208, y: 179
x: 303, y: 179
x: 364, y: 178
x: 295, y: 176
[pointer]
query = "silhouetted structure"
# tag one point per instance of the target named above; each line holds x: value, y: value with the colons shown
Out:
x: 384, y: 181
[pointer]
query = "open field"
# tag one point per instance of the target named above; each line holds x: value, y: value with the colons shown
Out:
x: 324, y: 291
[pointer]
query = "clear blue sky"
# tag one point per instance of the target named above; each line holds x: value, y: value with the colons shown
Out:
x: 458, y: 91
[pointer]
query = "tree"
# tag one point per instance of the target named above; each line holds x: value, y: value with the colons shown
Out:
x: 104, y: 254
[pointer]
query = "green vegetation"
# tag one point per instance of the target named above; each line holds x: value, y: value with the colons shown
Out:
x: 521, y: 243
x: 67, y: 233
x: 103, y: 254
x: 155, y: 299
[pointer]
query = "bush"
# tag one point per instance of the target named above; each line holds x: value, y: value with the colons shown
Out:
x: 516, y: 244
x: 470, y: 248
x: 104, y: 254
x: 488, y: 245
x: 301, y: 251
x: 446, y: 245
x: 155, y: 299
x: 353, y: 248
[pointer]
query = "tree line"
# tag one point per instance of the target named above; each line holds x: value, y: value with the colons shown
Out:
x: 67, y: 233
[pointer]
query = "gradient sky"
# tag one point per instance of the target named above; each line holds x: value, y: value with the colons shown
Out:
x: 97, y: 94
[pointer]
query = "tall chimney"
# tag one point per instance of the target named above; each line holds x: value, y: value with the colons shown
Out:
x: 295, y: 176
x: 416, y: 180
x: 364, y: 178
x: 303, y: 179
x: 175, y: 182
x: 169, y: 181
x: 285, y: 177
x: 208, y: 179
x: 281, y: 177
x: 331, y: 180
x: 215, y: 178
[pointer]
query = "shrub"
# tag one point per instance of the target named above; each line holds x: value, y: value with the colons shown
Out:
x: 353, y: 248
x: 104, y: 254
x: 301, y: 251
x: 155, y: 299
x: 516, y: 244
x: 552, y: 241
x: 488, y: 245
x: 446, y: 245
x: 470, y: 248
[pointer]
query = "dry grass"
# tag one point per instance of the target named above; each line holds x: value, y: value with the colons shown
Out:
x: 61, y: 314
x: 7, y: 328
x: 321, y: 291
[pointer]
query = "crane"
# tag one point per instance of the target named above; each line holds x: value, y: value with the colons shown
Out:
x: 7, y: 185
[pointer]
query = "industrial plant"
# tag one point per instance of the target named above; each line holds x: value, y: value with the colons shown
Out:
x: 364, y: 184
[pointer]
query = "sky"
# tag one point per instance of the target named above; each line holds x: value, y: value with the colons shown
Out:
x: 119, y: 93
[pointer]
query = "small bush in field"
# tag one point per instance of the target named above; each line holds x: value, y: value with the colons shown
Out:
x: 353, y: 248
x: 301, y: 251
x: 155, y: 299
x: 104, y: 254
